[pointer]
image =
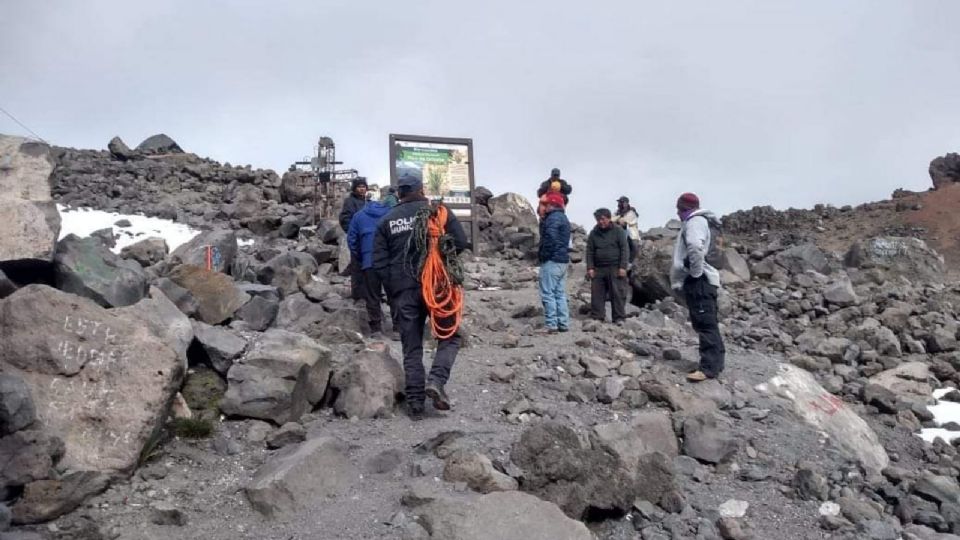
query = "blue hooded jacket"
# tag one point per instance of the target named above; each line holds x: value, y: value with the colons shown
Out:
x: 362, y: 228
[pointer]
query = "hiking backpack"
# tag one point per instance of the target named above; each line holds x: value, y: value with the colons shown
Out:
x: 714, y: 255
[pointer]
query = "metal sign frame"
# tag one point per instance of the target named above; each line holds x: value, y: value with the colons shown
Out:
x: 471, y: 207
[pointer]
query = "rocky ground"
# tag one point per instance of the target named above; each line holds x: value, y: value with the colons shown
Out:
x: 228, y: 390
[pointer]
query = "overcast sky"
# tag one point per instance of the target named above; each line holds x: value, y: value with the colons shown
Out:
x: 747, y: 102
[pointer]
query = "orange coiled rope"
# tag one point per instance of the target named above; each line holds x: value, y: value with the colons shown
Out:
x: 442, y: 295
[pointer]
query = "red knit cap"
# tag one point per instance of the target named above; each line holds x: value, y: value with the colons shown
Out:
x: 688, y: 201
x: 554, y: 198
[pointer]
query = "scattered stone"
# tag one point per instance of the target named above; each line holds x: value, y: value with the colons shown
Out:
x: 146, y: 252
x: 85, y: 267
x: 167, y: 515
x: 705, y: 441
x: 289, y: 433
x: 217, y: 296
x: 221, y: 346
x: 16, y: 405
x: 733, y: 508
x: 367, y: 387
x: 477, y: 471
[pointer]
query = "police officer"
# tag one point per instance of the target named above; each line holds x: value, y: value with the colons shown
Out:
x: 396, y: 258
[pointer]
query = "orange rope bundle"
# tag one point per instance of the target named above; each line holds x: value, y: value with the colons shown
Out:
x: 443, y: 297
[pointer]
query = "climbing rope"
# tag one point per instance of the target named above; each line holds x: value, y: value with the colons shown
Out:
x: 440, y: 270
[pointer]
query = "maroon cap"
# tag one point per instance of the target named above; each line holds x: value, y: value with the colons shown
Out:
x: 688, y: 201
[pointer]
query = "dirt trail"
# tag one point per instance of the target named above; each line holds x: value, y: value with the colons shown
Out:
x: 207, y: 486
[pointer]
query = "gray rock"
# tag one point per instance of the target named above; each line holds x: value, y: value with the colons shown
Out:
x: 167, y: 515
x: 146, y: 252
x: 105, y: 236
x: 296, y: 313
x: 7, y: 286
x: 27, y: 456
x: 611, y: 388
x: 385, y: 462
x: 803, y: 258
x: 181, y: 297
x: 159, y: 315
x: 477, y: 471
x: 646, y: 433
x: 289, y: 433
x: 705, y: 441
x: 841, y: 293
x: 107, y: 416
x: 288, y: 271
x: 897, y: 256
x: 940, y: 489
x: 567, y: 468
x: 497, y: 516
x: 159, y: 144
x: 300, y: 477
x: 810, y: 484
x: 367, y: 387
x: 30, y: 219
x: 45, y: 500
x: 223, y: 250
x: 857, y: 511
x: 259, y: 313
x: 120, y: 150
x: 16, y: 405
x: 217, y: 296
x: 279, y: 379
x: 87, y: 268
x: 221, y: 345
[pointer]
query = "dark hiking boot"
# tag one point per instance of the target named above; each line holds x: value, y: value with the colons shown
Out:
x: 440, y: 400
x: 415, y: 411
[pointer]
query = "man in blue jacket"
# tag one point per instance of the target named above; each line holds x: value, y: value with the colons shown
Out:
x: 554, y: 258
x: 360, y: 234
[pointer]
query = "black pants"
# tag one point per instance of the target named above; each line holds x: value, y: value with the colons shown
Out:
x: 606, y: 284
x: 634, y: 248
x: 701, y: 299
x: 411, y: 317
x: 373, y: 296
x: 356, y: 279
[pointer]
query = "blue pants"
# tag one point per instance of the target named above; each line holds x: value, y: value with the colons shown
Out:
x: 553, y: 293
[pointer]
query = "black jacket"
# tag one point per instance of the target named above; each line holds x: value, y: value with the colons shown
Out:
x: 391, y: 258
x: 608, y: 247
x: 351, y: 205
x: 565, y: 189
x: 555, y: 237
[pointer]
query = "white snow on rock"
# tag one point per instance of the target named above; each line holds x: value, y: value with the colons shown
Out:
x: 943, y: 412
x: 83, y: 221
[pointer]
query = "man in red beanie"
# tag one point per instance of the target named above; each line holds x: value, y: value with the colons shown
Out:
x: 554, y: 258
x: 699, y: 281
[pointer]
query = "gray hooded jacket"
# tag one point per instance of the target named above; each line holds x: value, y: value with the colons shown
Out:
x: 692, y: 245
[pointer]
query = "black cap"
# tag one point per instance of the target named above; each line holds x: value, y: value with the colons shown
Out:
x: 408, y: 181
x: 555, y: 173
x: 623, y: 198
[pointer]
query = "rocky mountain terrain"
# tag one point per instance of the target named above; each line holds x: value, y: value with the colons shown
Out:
x: 229, y: 389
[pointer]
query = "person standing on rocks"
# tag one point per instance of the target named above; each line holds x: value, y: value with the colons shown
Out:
x: 608, y: 255
x: 397, y: 258
x: 360, y: 239
x: 699, y: 282
x: 626, y: 217
x: 554, y: 258
x: 352, y: 204
x: 555, y: 183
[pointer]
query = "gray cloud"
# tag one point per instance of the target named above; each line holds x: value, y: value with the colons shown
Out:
x: 745, y: 102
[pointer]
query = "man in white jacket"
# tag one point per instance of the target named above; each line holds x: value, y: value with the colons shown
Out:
x: 693, y: 277
x: 626, y: 217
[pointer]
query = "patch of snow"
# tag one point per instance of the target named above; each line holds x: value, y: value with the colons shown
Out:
x: 943, y: 412
x: 83, y: 221
x: 242, y: 242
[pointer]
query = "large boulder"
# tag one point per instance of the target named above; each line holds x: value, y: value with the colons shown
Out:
x: 16, y: 404
x: 513, y: 210
x: 578, y: 472
x: 735, y: 267
x: 159, y: 144
x: 222, y: 246
x: 221, y: 346
x: 31, y: 223
x: 297, y: 187
x: 841, y: 293
x: 706, y: 441
x: 247, y: 201
x: 945, y: 170
x: 146, y: 252
x: 368, y: 385
x: 161, y: 316
x: 279, y: 379
x: 120, y: 150
x: 497, y: 516
x: 301, y: 478
x: 85, y: 267
x: 803, y: 258
x: 27, y: 456
x: 48, y: 499
x: 288, y: 271
x: 259, y: 313
x: 216, y: 294
x: 898, y: 256
x: 646, y: 433
x: 910, y: 381
x: 477, y: 471
x: 829, y: 414
x: 101, y: 381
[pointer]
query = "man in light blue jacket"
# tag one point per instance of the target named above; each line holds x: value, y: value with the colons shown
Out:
x: 698, y: 281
